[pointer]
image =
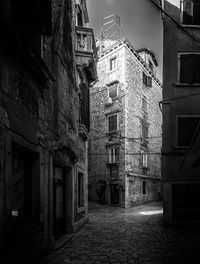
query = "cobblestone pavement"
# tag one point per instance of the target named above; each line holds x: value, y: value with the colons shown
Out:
x: 134, y: 235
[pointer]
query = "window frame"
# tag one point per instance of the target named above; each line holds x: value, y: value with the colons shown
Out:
x: 117, y: 125
x: 144, y: 183
x: 144, y: 159
x: 113, y: 157
x: 146, y: 79
x: 181, y: 15
x: 111, y: 68
x: 179, y: 68
x: 117, y: 89
x: 176, y: 133
x: 144, y: 109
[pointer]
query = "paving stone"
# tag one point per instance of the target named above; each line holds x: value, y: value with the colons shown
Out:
x: 117, y: 235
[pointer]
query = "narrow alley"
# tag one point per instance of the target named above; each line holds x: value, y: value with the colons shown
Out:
x: 133, y: 235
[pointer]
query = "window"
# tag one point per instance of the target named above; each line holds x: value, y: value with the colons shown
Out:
x: 80, y: 189
x: 112, y: 123
x: 113, y: 90
x: 144, y: 103
x: 144, y: 130
x: 144, y: 187
x: 186, y: 127
x: 189, y: 68
x: 113, y: 63
x: 151, y: 66
x: 144, y: 78
x: 144, y: 158
x: 190, y: 12
x: 113, y: 154
x: 147, y: 80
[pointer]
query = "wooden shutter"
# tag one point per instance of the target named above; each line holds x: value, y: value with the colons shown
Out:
x: 196, y: 12
x: 149, y: 81
x: 113, y: 90
x: 186, y: 68
x: 112, y: 120
x: 144, y: 78
x: 187, y: 12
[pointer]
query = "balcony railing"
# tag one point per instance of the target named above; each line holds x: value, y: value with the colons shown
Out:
x: 85, y: 42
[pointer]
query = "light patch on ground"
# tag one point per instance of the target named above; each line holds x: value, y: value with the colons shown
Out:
x: 153, y: 212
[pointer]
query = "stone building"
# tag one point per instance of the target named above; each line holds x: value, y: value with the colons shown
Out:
x: 47, y: 62
x: 181, y: 113
x: 125, y: 135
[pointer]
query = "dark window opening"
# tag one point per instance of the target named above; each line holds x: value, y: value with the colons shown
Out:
x: 144, y: 187
x: 147, y: 80
x: 113, y: 63
x: 189, y: 68
x: 186, y: 129
x: 112, y: 123
x: 191, y: 12
x: 144, y: 131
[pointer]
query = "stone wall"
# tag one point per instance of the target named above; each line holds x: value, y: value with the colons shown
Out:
x: 133, y: 139
x: 128, y: 104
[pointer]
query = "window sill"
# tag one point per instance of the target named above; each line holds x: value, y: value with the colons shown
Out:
x: 113, y: 70
x: 190, y: 26
x: 113, y: 164
x: 187, y: 85
x: 113, y: 132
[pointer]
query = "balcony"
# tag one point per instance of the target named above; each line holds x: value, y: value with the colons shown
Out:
x: 86, y: 53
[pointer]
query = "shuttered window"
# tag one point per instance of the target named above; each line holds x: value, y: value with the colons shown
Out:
x: 191, y: 12
x: 187, y: 126
x: 189, y: 68
x: 147, y: 80
x: 113, y: 155
x: 113, y: 90
x: 144, y: 78
x: 112, y: 122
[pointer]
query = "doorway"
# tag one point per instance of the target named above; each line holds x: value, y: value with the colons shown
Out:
x: 59, y: 201
x: 114, y: 193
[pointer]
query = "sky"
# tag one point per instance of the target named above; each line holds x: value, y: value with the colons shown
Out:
x: 141, y: 22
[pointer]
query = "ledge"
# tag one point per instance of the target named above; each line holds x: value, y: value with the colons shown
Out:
x: 186, y: 85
